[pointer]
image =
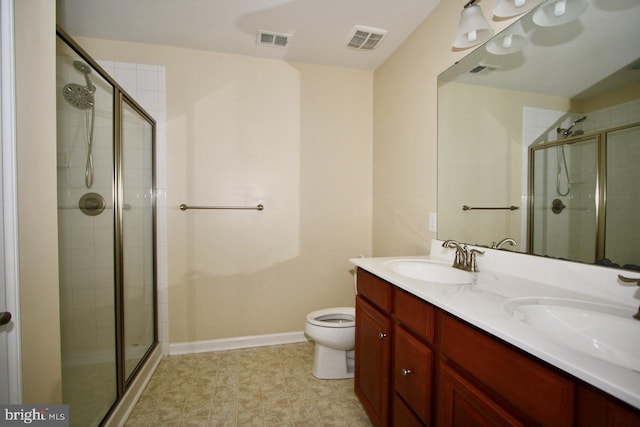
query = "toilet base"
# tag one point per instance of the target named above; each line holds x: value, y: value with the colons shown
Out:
x: 331, y: 364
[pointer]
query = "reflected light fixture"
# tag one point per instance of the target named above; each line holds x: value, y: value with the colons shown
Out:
x: 559, y: 12
x: 505, y: 44
x: 473, y: 28
x: 509, y: 8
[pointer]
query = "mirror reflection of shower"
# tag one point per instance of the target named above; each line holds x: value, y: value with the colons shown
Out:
x: 82, y: 97
x: 561, y: 157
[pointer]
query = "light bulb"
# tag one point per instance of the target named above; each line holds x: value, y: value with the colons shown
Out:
x: 560, y: 8
x: 519, y: 3
x: 507, y: 41
x: 472, y: 35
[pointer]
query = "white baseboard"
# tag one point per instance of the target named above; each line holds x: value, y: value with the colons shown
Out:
x: 236, y: 343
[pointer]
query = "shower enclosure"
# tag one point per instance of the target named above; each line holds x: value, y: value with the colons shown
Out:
x: 588, y: 185
x: 106, y: 229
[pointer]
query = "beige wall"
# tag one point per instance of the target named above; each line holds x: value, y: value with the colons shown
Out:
x: 240, y: 130
x: 482, y: 162
x: 37, y: 214
x: 611, y: 98
x: 405, y: 132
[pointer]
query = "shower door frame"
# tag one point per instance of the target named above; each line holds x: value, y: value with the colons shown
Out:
x: 120, y: 96
x: 601, y: 183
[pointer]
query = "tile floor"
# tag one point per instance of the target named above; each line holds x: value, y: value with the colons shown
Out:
x: 266, y: 386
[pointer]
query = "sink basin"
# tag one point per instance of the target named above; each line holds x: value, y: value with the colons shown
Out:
x: 430, y: 271
x: 608, y: 332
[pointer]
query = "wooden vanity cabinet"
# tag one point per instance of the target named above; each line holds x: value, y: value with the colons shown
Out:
x: 486, y: 379
x: 413, y: 356
x: 462, y: 404
x: 596, y: 409
x: 416, y: 365
x: 373, y: 346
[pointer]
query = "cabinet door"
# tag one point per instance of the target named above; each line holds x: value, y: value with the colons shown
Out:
x: 412, y: 372
x: 594, y: 408
x: 373, y: 349
x: 402, y: 415
x: 463, y: 405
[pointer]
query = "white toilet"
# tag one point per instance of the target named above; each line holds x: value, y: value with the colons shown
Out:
x: 333, y: 331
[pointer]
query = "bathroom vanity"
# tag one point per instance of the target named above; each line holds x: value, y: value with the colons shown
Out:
x: 437, y: 352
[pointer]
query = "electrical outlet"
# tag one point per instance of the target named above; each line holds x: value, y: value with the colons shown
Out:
x: 433, y: 222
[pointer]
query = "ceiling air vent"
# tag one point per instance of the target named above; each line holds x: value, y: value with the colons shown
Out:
x: 267, y: 38
x: 482, y: 67
x: 365, y: 38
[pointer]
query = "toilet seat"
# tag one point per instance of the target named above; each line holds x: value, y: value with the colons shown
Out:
x: 338, y: 317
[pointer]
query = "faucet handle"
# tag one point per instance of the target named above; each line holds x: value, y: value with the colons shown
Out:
x: 631, y: 280
x: 473, y: 259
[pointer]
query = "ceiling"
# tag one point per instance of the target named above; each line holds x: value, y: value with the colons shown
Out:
x: 319, y: 28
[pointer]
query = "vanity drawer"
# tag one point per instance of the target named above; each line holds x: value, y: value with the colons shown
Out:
x: 374, y: 289
x: 414, y: 314
x: 539, y: 393
x: 412, y: 372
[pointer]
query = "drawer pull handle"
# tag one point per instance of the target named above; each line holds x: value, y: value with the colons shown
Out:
x: 405, y: 372
x: 382, y: 335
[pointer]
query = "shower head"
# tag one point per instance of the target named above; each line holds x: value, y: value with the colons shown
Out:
x: 82, y: 67
x: 79, y: 96
x: 567, y: 132
x: 86, y: 70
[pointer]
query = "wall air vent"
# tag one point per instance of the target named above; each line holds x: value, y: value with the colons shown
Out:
x: 267, y: 38
x: 365, y: 38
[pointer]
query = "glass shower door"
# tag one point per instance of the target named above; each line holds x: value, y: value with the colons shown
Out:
x: 85, y: 164
x: 138, y: 239
x: 623, y: 197
x: 565, y: 198
x: 106, y: 228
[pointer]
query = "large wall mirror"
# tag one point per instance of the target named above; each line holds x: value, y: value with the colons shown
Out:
x: 539, y: 136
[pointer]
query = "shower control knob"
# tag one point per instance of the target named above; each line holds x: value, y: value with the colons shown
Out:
x: 382, y: 335
x: 405, y: 372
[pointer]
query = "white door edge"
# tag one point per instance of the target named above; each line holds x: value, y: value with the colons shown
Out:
x: 9, y: 196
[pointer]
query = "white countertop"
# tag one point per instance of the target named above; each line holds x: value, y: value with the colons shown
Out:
x: 481, y: 304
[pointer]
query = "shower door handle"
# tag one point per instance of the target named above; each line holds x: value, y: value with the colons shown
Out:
x: 5, y: 317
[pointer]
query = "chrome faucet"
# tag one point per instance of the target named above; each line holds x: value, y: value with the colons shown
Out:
x: 465, y: 259
x: 503, y: 242
x: 630, y: 281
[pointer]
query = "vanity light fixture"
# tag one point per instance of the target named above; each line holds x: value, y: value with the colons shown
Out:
x: 509, y: 8
x: 559, y: 12
x: 473, y: 28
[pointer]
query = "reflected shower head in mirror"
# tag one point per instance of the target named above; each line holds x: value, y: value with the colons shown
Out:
x: 567, y: 132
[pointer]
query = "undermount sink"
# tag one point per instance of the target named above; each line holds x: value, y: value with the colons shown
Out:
x: 608, y: 332
x: 430, y: 271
